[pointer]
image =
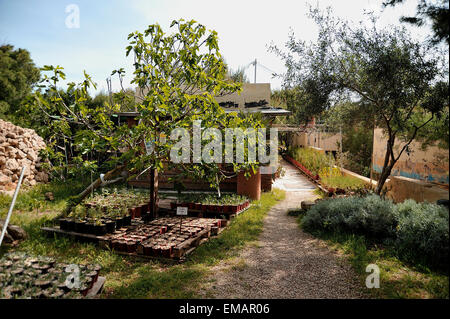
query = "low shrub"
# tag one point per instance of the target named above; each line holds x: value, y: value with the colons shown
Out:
x: 370, y: 216
x: 423, y: 233
x: 417, y: 232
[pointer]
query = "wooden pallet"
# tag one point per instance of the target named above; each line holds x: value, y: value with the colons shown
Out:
x: 178, y: 252
x: 96, y: 288
x: 74, y: 235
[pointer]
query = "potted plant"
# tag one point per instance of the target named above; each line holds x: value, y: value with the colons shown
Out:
x: 99, y: 227
x: 110, y: 225
x: 90, y: 226
x: 137, y: 207
x: 126, y: 218
x: 118, y: 219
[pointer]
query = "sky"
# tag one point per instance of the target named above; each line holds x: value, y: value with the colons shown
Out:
x: 245, y: 29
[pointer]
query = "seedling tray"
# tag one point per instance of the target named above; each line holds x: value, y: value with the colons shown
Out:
x: 27, y: 276
x: 160, y: 238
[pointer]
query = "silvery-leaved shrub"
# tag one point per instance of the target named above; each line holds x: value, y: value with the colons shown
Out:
x: 423, y: 233
x: 370, y: 216
x: 417, y: 232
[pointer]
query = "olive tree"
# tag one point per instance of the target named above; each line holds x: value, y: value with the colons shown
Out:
x: 398, y: 80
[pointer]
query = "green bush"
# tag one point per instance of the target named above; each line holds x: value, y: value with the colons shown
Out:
x: 417, y: 232
x: 370, y: 216
x: 423, y: 233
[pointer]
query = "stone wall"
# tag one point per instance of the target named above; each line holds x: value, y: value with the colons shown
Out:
x: 19, y: 147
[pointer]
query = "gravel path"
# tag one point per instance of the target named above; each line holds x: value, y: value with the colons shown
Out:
x: 286, y: 263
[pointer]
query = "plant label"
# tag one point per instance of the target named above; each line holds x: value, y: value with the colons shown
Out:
x: 182, y: 211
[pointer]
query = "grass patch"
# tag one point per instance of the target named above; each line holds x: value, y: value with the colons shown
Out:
x: 397, y: 279
x: 343, y: 182
x: 129, y: 277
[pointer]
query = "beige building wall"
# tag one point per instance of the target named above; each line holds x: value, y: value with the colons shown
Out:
x: 251, y: 92
x: 427, y: 165
x: 324, y: 140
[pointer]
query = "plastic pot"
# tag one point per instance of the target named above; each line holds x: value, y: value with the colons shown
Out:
x: 119, y: 222
x: 110, y: 226
x: 100, y: 230
x: 90, y: 228
x: 80, y: 226
x: 63, y: 224
x: 127, y: 220
x: 70, y: 224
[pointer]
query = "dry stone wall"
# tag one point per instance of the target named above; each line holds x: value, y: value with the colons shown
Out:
x: 19, y: 147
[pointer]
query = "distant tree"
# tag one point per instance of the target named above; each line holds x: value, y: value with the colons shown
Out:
x: 305, y: 101
x: 18, y: 75
x: 238, y: 75
x: 437, y: 12
x: 357, y: 133
x: 400, y: 79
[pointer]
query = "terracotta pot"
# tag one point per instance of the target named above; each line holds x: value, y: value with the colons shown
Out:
x: 122, y: 245
x: 156, y: 251
x: 166, y: 251
x: 131, y: 246
x: 234, y: 208
x: 144, y: 209
x: 148, y: 250
x: 137, y: 212
x: 113, y: 244
x: 132, y: 212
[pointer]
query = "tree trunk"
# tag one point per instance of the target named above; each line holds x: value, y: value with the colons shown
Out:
x: 154, y: 193
x: 387, y: 167
x: 75, y: 200
x: 383, y: 177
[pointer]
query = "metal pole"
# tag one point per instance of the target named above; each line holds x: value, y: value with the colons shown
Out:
x: 255, y: 70
x: 5, y: 226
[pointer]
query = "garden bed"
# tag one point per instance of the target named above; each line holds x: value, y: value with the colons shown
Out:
x: 106, y: 212
x: 330, y: 180
x: 25, y: 276
x: 166, y: 237
x: 209, y: 204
